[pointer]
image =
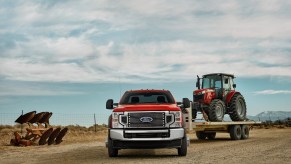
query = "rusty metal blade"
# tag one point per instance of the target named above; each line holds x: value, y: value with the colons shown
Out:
x: 46, y: 117
x: 53, y: 136
x: 25, y: 118
x: 37, y: 117
x: 62, y: 133
x: 45, y: 136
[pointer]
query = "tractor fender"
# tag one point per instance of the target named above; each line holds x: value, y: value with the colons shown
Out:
x: 230, y: 95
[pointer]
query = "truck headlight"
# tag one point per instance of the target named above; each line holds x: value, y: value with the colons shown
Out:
x: 177, y: 119
x: 116, y: 120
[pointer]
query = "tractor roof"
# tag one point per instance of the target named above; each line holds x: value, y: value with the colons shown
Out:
x: 219, y: 74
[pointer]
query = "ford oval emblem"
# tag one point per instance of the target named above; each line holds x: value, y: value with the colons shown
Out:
x: 146, y: 119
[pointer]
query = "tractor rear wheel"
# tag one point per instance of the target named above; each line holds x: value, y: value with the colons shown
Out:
x: 216, y: 110
x: 238, y: 108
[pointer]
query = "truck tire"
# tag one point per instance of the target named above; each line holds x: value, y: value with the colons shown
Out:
x: 245, y: 132
x: 238, y: 108
x: 201, y: 135
x: 111, y: 151
x: 211, y: 136
x: 182, y: 151
x: 235, y: 132
x: 216, y: 110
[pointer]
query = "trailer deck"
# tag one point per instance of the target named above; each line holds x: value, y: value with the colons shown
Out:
x: 219, y: 126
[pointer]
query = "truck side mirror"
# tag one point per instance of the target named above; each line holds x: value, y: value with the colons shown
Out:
x: 186, y: 103
x: 234, y: 85
x: 109, y: 104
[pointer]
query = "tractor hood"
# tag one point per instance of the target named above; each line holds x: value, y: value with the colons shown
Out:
x: 203, y: 91
x: 147, y: 107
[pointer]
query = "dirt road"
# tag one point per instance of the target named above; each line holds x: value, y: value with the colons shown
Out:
x: 263, y: 146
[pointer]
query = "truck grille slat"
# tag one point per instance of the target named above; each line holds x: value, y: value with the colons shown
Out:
x: 146, y: 119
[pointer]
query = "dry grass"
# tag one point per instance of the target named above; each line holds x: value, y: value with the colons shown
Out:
x: 76, y: 133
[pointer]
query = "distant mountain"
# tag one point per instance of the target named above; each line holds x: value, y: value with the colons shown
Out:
x: 271, y: 115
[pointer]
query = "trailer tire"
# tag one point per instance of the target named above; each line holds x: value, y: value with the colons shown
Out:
x: 211, y: 136
x: 216, y: 110
x: 182, y: 151
x: 245, y: 132
x: 111, y: 151
x: 238, y: 108
x: 201, y: 135
x: 235, y: 132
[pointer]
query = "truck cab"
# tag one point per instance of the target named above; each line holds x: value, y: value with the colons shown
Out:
x: 146, y: 119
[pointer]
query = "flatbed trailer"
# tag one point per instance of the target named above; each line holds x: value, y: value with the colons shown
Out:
x: 206, y: 129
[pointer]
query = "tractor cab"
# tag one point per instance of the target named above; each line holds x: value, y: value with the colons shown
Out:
x: 220, y: 84
x: 217, y: 96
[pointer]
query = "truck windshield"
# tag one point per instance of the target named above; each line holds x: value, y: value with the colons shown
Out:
x: 211, y: 81
x: 147, y: 97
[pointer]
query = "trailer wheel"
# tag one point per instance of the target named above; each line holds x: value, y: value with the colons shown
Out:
x: 238, y: 108
x: 216, y: 110
x: 211, y: 136
x: 201, y: 135
x: 111, y: 151
x: 182, y: 151
x: 245, y: 132
x: 235, y: 132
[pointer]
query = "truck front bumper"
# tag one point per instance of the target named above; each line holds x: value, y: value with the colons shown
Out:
x: 135, y: 139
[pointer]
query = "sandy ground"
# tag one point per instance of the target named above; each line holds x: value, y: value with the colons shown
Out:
x: 263, y: 146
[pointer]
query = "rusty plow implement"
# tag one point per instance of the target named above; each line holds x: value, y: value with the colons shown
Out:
x: 39, y: 131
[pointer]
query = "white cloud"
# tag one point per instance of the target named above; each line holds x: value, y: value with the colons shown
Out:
x: 272, y: 92
x: 27, y: 90
x: 137, y: 41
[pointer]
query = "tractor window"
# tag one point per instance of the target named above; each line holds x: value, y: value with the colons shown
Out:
x: 212, y: 81
x: 227, y: 83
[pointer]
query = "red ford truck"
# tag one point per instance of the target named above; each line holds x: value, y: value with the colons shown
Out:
x: 146, y: 119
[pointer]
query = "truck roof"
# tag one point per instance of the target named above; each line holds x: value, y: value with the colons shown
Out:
x: 225, y: 74
x: 148, y: 90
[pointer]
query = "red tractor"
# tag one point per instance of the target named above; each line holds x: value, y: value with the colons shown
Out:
x: 216, y: 97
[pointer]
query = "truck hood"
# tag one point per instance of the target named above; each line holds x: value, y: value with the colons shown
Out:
x: 147, y: 107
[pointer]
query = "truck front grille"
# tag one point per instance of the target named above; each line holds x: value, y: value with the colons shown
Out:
x: 146, y: 119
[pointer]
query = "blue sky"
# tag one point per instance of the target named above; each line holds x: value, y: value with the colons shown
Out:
x: 70, y: 56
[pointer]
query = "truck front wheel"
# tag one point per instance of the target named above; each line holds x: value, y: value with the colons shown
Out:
x: 111, y: 151
x: 182, y: 151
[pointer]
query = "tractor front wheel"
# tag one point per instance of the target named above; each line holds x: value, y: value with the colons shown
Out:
x: 216, y: 110
x: 238, y: 108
